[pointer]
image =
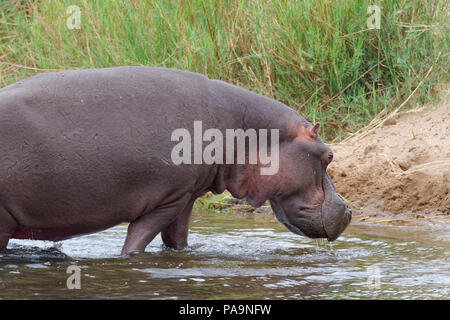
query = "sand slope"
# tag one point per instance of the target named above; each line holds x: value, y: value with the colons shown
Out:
x: 401, y: 168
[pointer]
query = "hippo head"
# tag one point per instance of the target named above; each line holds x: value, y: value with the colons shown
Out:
x: 305, y: 200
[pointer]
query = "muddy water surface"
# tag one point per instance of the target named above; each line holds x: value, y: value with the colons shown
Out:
x: 236, y: 256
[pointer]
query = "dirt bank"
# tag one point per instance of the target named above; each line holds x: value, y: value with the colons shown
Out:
x: 400, y: 169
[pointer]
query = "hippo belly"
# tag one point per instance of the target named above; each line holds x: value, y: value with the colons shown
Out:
x: 52, y: 234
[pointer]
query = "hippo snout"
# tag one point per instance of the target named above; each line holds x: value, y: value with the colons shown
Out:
x: 335, y: 225
x: 336, y: 216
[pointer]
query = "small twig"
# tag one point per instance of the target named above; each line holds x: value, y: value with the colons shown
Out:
x: 428, y: 165
x: 398, y: 220
x: 29, y: 68
x: 363, y: 218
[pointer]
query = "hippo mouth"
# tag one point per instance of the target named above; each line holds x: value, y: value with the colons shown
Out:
x: 330, y: 222
x: 311, y: 221
x: 281, y: 216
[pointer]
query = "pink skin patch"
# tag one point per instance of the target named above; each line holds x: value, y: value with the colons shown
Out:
x: 307, y: 133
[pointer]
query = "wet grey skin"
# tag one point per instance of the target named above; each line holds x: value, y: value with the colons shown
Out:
x: 84, y: 150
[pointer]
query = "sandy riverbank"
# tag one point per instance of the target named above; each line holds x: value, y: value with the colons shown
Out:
x: 399, y: 169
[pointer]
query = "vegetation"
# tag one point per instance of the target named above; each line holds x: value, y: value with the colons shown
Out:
x: 317, y: 56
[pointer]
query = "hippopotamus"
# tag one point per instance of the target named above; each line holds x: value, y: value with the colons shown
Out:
x: 85, y: 150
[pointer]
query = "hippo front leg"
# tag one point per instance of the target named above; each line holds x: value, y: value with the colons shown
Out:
x: 175, y: 234
x: 142, y: 231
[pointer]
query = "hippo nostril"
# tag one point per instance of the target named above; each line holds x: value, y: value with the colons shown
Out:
x: 348, y: 213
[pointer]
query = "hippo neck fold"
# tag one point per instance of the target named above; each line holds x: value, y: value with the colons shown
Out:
x: 237, y: 108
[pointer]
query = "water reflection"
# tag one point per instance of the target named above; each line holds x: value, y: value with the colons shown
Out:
x: 236, y: 256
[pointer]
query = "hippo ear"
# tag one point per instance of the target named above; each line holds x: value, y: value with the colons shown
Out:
x: 314, y: 130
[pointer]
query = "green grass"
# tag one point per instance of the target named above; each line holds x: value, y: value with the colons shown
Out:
x: 302, y: 53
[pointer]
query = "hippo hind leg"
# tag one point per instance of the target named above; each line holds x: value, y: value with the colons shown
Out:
x: 4, y: 239
x: 7, y: 227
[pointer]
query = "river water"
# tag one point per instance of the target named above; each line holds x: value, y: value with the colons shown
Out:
x: 237, y: 256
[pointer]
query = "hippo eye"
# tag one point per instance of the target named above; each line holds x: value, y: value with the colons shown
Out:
x: 330, y: 157
x: 326, y: 158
